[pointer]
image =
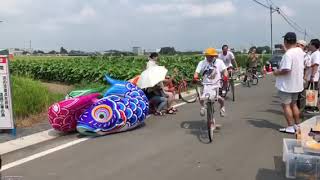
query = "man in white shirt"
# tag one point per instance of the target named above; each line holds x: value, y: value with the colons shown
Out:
x: 289, y: 81
x: 313, y: 75
x: 307, y: 58
x: 227, y: 57
x: 210, y: 69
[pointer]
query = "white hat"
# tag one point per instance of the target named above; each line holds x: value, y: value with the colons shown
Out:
x: 302, y: 42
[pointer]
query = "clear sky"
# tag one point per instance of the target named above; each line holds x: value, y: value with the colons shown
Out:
x: 121, y: 24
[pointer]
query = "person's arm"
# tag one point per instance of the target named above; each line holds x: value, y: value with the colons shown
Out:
x: 196, y: 76
x: 285, y: 66
x: 197, y: 72
x: 315, y: 68
x: 233, y: 60
x: 315, y: 60
x: 281, y: 72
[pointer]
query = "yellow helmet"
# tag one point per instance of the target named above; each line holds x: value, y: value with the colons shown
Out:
x: 211, y: 52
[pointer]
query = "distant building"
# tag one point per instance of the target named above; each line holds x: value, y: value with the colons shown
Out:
x: 137, y: 50
x: 16, y: 51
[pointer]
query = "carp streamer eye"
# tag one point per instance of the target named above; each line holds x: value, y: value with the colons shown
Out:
x: 102, y: 113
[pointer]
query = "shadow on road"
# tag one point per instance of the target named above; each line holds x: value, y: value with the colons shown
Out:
x: 263, y: 123
x: 277, y: 112
x: 277, y: 174
x: 198, y: 129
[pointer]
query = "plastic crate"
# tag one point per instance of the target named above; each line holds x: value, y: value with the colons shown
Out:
x: 300, y: 164
x: 306, y: 126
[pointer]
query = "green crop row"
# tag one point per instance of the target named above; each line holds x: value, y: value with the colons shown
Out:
x: 92, y: 69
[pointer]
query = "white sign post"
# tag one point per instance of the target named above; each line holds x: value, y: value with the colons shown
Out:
x: 6, y: 111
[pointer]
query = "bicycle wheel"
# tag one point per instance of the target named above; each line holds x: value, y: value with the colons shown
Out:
x: 188, y: 92
x: 209, y: 120
x: 232, y: 87
x: 255, y: 80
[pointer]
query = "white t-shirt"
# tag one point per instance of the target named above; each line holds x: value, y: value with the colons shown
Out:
x: 307, y: 60
x: 211, y: 72
x: 227, y: 59
x: 151, y: 63
x: 315, y: 59
x: 292, y: 82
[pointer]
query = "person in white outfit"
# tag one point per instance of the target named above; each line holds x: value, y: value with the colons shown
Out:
x: 289, y: 81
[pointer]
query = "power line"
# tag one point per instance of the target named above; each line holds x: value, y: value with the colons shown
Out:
x: 258, y: 2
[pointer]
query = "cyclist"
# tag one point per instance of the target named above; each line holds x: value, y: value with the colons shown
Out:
x: 228, y: 58
x: 211, y: 69
x: 252, y: 63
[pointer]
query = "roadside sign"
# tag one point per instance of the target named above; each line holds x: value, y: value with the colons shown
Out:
x: 6, y: 111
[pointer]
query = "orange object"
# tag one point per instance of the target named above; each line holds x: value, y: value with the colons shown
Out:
x: 11, y: 57
x: 314, y: 145
x: 264, y: 71
x: 211, y: 52
x: 135, y: 80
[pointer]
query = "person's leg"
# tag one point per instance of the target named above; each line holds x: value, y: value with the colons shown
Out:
x: 295, y: 109
x: 163, y: 103
x: 222, y: 108
x: 286, y: 100
x: 170, y: 99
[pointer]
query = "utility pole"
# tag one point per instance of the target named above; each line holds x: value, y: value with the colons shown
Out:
x: 30, y: 46
x: 271, y: 46
x: 305, y: 34
x: 272, y: 10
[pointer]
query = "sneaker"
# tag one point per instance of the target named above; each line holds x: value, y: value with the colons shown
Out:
x: 289, y: 130
x: 224, y: 92
x: 202, y: 111
x: 223, y: 112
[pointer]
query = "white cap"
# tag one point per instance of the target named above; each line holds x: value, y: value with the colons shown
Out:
x: 302, y: 42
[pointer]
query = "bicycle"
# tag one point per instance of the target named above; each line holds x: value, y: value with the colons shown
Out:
x: 211, y: 123
x: 252, y: 78
x: 230, y: 86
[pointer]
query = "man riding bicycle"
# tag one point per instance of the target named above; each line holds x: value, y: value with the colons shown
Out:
x: 228, y: 58
x: 210, y: 69
x: 252, y: 63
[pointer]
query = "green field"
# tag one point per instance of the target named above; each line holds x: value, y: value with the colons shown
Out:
x: 73, y: 70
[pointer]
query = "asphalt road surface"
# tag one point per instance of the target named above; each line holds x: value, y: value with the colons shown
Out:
x: 175, y: 147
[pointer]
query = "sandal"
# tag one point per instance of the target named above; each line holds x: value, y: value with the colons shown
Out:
x: 170, y: 111
x: 173, y: 109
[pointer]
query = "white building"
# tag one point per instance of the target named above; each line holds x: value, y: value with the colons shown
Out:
x: 137, y: 50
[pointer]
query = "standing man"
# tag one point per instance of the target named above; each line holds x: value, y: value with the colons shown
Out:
x: 313, y: 76
x: 289, y: 81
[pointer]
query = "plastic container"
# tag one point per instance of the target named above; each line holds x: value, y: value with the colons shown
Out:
x: 305, y: 128
x: 298, y: 163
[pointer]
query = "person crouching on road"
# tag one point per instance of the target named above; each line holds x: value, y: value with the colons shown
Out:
x: 289, y: 81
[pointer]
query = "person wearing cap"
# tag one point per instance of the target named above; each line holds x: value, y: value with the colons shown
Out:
x: 210, y: 70
x: 289, y: 81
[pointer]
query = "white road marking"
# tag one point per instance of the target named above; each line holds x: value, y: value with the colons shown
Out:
x: 26, y: 141
x: 41, y: 154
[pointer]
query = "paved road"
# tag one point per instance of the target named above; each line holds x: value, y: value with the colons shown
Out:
x: 175, y: 147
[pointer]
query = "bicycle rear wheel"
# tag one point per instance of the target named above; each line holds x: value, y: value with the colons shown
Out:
x: 188, y: 92
x: 255, y: 80
x: 232, y: 87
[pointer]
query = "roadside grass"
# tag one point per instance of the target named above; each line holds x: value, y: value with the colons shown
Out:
x: 31, y: 97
